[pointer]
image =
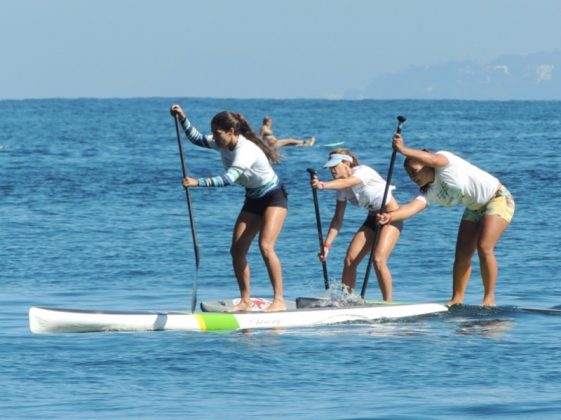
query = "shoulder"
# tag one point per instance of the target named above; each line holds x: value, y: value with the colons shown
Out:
x: 362, y: 170
x: 445, y: 153
x: 365, y: 172
x: 243, y: 142
x: 247, y: 148
x: 442, y: 159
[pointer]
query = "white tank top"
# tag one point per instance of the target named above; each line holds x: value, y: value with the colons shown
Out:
x: 369, y: 193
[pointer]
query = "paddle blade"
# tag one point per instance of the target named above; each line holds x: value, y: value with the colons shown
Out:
x: 194, y: 294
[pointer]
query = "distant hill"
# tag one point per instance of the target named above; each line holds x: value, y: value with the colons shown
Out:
x: 535, y: 76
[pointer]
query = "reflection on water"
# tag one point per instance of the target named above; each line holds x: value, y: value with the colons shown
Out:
x: 485, y: 327
x: 484, y: 321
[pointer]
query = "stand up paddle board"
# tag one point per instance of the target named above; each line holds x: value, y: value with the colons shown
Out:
x: 59, y: 320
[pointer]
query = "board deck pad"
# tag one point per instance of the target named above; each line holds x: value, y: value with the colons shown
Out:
x: 225, y: 305
x: 342, y: 301
x: 259, y: 304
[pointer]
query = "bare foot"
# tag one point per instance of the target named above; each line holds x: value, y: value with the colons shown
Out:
x: 243, y: 306
x: 277, y: 305
x: 310, y: 142
x: 488, y: 302
x: 454, y: 302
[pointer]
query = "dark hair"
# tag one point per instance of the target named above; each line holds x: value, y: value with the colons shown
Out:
x: 347, y: 152
x: 408, y: 161
x: 266, y: 120
x: 226, y: 120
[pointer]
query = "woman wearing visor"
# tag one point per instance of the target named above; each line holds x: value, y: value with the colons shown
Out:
x: 363, y: 187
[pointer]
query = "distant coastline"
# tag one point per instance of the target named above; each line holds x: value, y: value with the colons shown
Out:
x: 532, y: 77
x: 511, y: 77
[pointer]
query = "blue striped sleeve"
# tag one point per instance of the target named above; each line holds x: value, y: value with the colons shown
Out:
x: 223, y: 180
x: 193, y: 134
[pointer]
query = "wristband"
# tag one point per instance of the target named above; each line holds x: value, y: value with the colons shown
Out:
x: 322, y: 185
x: 326, y: 245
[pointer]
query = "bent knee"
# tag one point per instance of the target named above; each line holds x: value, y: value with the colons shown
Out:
x: 238, y: 250
x: 267, y: 248
x: 485, y: 249
x: 380, y: 261
x: 351, y: 261
x: 463, y: 253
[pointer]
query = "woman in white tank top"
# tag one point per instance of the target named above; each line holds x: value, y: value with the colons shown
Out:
x: 363, y: 187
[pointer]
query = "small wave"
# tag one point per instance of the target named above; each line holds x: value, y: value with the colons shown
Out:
x: 463, y: 310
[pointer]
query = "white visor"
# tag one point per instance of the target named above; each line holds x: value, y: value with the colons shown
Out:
x: 336, y: 159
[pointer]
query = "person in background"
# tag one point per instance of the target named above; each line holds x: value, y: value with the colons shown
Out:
x: 247, y: 161
x: 266, y: 133
x: 449, y: 180
x: 363, y: 187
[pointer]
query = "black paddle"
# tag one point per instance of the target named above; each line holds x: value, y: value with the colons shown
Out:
x: 400, y: 121
x: 313, y: 174
x: 191, y: 216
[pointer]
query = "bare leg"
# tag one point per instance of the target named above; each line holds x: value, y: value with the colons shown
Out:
x: 389, y: 235
x: 358, y: 248
x: 492, y: 228
x: 295, y: 142
x: 465, y: 247
x: 289, y: 142
x: 273, y: 221
x: 245, y: 230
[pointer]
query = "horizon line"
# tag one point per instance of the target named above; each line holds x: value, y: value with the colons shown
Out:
x: 77, y: 98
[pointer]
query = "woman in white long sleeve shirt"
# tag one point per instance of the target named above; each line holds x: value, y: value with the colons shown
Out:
x: 247, y: 161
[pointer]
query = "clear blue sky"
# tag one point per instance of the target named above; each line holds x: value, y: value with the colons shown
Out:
x: 251, y: 48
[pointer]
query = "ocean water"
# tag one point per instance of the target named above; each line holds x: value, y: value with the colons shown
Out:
x: 94, y: 217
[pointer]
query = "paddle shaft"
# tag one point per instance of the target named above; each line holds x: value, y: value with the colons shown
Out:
x: 378, y: 228
x: 191, y: 216
x: 313, y: 174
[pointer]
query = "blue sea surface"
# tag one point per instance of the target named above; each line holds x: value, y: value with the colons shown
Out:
x: 94, y: 217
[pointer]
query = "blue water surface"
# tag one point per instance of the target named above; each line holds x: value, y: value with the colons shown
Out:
x: 94, y: 217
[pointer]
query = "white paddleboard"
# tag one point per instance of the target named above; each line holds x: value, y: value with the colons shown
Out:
x: 60, y: 320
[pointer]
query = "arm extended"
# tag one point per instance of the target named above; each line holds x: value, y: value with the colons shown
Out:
x: 402, y: 213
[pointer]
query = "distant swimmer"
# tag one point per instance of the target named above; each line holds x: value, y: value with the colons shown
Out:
x: 448, y: 180
x: 266, y: 133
